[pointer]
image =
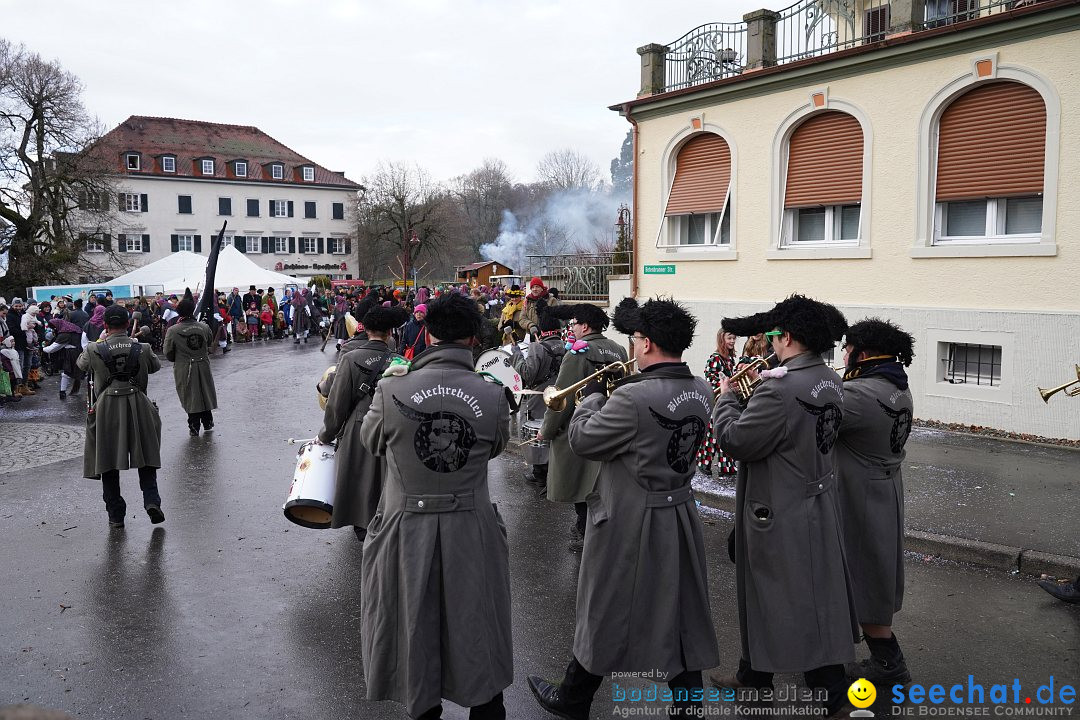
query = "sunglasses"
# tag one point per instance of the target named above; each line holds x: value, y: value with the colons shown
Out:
x: 774, y: 333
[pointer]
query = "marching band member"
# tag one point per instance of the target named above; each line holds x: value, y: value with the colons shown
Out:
x: 869, y: 456
x: 570, y: 478
x: 358, y: 473
x: 643, y: 591
x: 435, y: 578
x: 796, y: 612
x: 538, y: 372
x: 187, y: 346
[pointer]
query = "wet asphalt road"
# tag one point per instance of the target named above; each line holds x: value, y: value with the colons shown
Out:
x: 229, y: 611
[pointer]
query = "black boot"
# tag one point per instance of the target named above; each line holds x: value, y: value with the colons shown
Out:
x: 885, y: 666
x: 1066, y: 591
x: 570, y: 699
x: 493, y: 709
x: 193, y: 425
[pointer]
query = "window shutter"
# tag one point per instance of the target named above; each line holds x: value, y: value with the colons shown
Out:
x: 339, y: 211
x: 702, y: 175
x: 876, y: 23
x: 198, y: 243
x: 121, y: 243
x: 104, y: 201
x: 253, y: 208
x: 825, y: 161
x: 240, y: 243
x: 290, y: 208
x: 222, y: 206
x: 348, y: 246
x: 992, y: 143
x: 107, y: 241
x: 121, y: 202
x: 270, y: 208
x: 300, y: 248
x: 146, y: 243
x: 183, y: 204
x: 144, y: 203
x: 309, y: 209
x: 292, y: 245
x: 319, y: 246
x: 266, y: 244
x: 175, y: 240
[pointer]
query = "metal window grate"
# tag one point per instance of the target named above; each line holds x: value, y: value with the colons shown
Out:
x: 966, y: 364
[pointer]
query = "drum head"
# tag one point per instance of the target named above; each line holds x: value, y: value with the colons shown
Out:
x: 497, y: 363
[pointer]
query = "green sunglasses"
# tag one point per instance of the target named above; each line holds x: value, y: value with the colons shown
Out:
x: 774, y: 333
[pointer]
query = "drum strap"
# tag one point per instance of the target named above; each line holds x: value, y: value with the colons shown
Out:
x: 124, y: 372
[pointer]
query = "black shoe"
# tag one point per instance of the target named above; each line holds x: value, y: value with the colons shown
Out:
x: 63, y: 395
x: 194, y: 432
x: 550, y: 698
x: 75, y: 385
x: 225, y: 350
x: 361, y: 533
x: 296, y: 341
x: 116, y: 524
x: 1064, y: 591
x: 208, y: 428
x: 879, y: 671
x: 156, y: 516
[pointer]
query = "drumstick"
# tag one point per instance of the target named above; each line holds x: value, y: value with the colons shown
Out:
x: 294, y: 441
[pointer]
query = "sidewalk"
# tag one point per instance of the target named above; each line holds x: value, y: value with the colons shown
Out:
x: 997, y: 503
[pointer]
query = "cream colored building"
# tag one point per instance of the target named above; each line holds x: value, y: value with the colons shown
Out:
x: 924, y: 170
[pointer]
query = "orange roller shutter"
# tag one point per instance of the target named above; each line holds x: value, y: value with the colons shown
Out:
x: 992, y: 143
x: 702, y: 174
x: 825, y: 161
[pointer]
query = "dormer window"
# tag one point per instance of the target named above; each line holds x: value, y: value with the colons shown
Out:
x: 277, y: 172
x: 309, y: 174
x: 168, y: 164
x: 207, y: 167
x: 240, y: 168
x: 132, y: 161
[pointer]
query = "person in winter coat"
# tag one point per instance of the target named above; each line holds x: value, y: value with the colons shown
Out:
x: 414, y: 334
x: 643, y: 589
x: 301, y: 315
x: 869, y: 455
x: 570, y: 478
x: 67, y: 346
x: 435, y: 578
x: 266, y: 320
x: 538, y: 372
x: 187, y: 346
x: 529, y: 319
x: 359, y: 473
x: 796, y: 607
x: 123, y: 429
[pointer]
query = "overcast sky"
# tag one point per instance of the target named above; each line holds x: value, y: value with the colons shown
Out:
x: 348, y: 83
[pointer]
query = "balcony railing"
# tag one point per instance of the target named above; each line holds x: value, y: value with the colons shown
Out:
x: 706, y: 53
x: 582, y: 277
x: 815, y: 27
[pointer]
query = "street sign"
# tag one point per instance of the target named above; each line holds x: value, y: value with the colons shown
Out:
x: 401, y: 283
x: 659, y: 269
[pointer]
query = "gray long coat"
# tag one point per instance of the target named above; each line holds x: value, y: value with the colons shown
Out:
x: 536, y: 373
x: 869, y: 455
x: 359, y: 473
x: 570, y: 478
x: 796, y: 610
x: 435, y: 579
x: 124, y: 431
x: 643, y: 589
x: 187, y: 346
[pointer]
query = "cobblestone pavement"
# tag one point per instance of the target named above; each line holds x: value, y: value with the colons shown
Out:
x: 32, y: 445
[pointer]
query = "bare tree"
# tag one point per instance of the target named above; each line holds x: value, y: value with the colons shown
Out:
x: 47, y: 170
x: 567, y: 169
x: 482, y: 195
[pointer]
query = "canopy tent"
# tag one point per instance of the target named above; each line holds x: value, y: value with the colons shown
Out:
x: 188, y: 270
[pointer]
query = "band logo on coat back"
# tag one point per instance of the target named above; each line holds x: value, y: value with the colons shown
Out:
x: 829, y: 416
x: 686, y: 437
x: 901, y: 426
x: 442, y: 441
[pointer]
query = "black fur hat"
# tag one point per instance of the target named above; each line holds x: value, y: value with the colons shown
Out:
x: 186, y: 307
x: 808, y: 321
x: 586, y: 313
x: 664, y: 321
x: 453, y: 317
x: 880, y: 336
x: 837, y: 322
x: 546, y: 320
x: 382, y: 319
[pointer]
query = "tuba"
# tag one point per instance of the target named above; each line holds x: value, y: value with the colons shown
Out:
x: 1046, y: 393
x: 556, y: 399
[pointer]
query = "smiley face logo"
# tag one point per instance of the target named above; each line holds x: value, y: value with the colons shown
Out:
x: 862, y: 693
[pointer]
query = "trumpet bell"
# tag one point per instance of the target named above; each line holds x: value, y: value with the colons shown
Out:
x: 1047, y: 393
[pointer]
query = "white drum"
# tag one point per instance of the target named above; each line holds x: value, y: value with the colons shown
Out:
x: 311, y: 496
x: 522, y: 347
x: 497, y: 362
x: 535, y: 451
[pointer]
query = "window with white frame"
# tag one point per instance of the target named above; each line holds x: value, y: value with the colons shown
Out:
x: 185, y: 242
x: 281, y: 208
x: 967, y: 364
x: 281, y: 245
x: 94, y: 244
x: 310, y: 247
x: 168, y: 164
x: 254, y: 244
x: 133, y: 161
x: 702, y: 228
x: 277, y: 172
x: 698, y: 207
x: 309, y: 174
x: 823, y: 225
x: 132, y: 202
x: 207, y: 167
x: 1016, y: 219
x: 337, y: 246
x: 132, y: 243
x: 241, y: 169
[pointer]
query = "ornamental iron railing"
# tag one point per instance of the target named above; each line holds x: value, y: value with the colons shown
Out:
x: 810, y: 28
x: 949, y: 12
x: 706, y: 53
x: 580, y: 277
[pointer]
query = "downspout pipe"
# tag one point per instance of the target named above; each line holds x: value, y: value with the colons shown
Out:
x: 627, y: 113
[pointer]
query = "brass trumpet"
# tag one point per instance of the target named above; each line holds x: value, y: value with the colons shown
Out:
x: 556, y: 399
x: 1047, y: 392
x: 741, y: 382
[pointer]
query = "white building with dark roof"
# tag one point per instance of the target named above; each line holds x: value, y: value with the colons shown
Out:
x: 180, y: 179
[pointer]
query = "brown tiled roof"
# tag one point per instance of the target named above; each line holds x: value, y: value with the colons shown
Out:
x: 193, y: 140
x: 476, y: 266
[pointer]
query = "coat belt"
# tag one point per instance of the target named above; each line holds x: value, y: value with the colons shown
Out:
x: 455, y: 502
x: 669, y: 498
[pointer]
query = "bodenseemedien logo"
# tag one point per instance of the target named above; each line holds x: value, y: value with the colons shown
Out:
x: 862, y: 694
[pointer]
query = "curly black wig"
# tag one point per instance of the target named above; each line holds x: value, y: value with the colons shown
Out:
x: 382, y: 319
x: 880, y: 337
x: 808, y: 321
x: 546, y: 320
x: 662, y: 320
x: 586, y: 313
x: 186, y: 307
x: 453, y: 317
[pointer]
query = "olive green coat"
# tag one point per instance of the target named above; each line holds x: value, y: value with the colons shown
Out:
x: 124, y: 429
x: 570, y: 478
x: 187, y: 346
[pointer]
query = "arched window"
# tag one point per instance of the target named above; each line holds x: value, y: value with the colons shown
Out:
x: 698, y: 206
x: 824, y: 182
x: 991, y: 147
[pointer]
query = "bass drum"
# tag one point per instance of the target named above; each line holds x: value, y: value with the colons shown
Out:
x: 522, y: 349
x: 311, y: 496
x: 497, y: 362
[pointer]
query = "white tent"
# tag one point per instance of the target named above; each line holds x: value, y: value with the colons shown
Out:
x: 186, y: 269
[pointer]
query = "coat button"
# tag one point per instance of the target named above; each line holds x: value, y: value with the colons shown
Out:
x: 669, y: 498
x: 420, y: 503
x: 819, y: 487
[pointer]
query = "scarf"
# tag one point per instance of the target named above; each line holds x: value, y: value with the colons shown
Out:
x: 886, y: 366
